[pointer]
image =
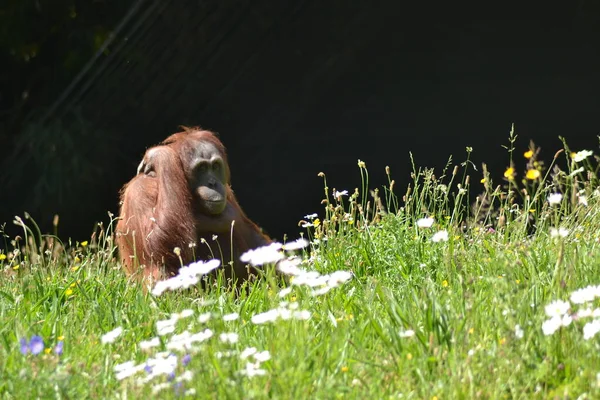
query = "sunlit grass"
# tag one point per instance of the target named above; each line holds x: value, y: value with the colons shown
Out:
x: 447, y: 298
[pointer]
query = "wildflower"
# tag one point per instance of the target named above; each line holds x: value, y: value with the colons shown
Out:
x: 338, y: 195
x: 560, y: 232
x: 267, y: 316
x: 585, y: 295
x: 2, y: 257
x: 316, y: 222
x: 311, y: 216
x: 552, y: 325
x: 302, y: 315
x: 582, y: 200
x: 338, y: 277
x: 295, y: 245
x: 58, y: 349
x: 532, y: 174
x: 127, y: 369
x: 203, y: 318
x: 183, y: 314
x: 518, y: 332
x: 200, y: 267
x: 147, y: 344
x: 253, y: 369
x: 166, y: 326
x: 483, y: 180
x: 441, y: 236
x: 425, y: 222
x: 285, y: 292
x: 557, y: 308
x: 555, y: 198
x: 229, y: 337
x: 247, y: 352
x: 161, y: 365
x: 345, y: 369
x: 231, y: 317
x: 289, y: 266
x: 186, y: 360
x: 262, y: 356
x: 576, y: 171
x: 444, y: 283
x: 84, y: 243
x: 110, y: 337
x: 263, y: 255
x: 509, y: 173
x: 581, y: 155
x: 185, y: 340
x: 407, y: 333
x: 174, y: 283
x: 591, y: 329
x: 528, y: 154
x: 35, y: 345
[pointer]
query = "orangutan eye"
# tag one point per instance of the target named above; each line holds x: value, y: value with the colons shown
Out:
x: 201, y: 168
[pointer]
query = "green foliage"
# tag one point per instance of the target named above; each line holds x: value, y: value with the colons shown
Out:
x: 426, y: 315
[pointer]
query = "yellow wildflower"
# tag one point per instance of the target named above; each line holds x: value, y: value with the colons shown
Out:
x: 409, y: 356
x: 483, y: 180
x: 316, y: 222
x: 532, y: 174
x: 345, y: 369
x: 509, y: 173
x: 471, y: 330
x: 2, y: 257
x: 445, y: 283
x: 84, y: 243
x: 69, y: 292
x: 74, y: 268
x: 502, y: 341
x: 16, y: 267
x: 61, y: 338
x: 48, y: 350
x: 528, y: 154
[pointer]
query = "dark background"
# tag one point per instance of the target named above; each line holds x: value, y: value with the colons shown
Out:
x: 292, y: 87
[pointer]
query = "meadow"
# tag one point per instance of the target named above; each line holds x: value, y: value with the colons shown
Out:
x: 432, y: 293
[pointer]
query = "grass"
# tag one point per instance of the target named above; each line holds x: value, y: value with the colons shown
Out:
x: 460, y: 317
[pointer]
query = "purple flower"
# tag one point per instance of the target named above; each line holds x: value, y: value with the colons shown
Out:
x: 35, y: 345
x: 24, y: 346
x: 58, y: 349
x: 186, y: 360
